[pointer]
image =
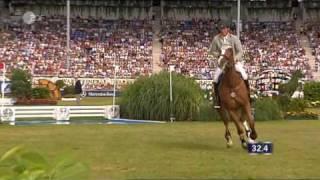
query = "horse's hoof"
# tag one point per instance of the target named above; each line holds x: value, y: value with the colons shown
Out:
x: 229, y: 144
x: 253, y: 135
x: 251, y: 141
x: 244, y: 145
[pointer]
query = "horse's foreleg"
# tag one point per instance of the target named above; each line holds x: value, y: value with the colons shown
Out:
x: 253, y: 133
x: 236, y: 118
x: 227, y: 134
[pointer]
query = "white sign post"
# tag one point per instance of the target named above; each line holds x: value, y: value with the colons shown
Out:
x: 172, y: 118
x: 3, y: 67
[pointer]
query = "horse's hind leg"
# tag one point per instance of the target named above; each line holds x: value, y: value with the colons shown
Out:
x: 253, y: 133
x: 248, y: 131
x: 245, y: 124
x: 236, y: 118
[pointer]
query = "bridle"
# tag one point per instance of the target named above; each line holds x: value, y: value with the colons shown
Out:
x: 227, y: 62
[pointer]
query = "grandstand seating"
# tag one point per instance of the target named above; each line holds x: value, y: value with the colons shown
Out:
x: 113, y: 9
x: 94, y: 44
x: 122, y: 31
x: 314, y: 36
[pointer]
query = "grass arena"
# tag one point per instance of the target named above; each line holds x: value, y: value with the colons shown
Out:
x: 180, y: 150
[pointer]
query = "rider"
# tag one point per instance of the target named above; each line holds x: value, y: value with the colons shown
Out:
x: 220, y: 43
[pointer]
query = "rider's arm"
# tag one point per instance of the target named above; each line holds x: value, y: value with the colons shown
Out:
x: 214, y: 50
x: 238, y: 49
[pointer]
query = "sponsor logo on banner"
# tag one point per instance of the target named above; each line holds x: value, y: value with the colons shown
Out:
x: 100, y: 93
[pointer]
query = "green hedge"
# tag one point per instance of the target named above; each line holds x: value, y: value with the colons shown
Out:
x: 68, y: 90
x: 288, y: 104
x: 148, y: 98
x: 60, y: 84
x: 207, y: 112
x: 267, y: 109
x: 312, y: 91
x: 40, y: 93
x: 301, y: 115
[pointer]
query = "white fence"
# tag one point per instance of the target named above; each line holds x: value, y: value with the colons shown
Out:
x: 11, y: 113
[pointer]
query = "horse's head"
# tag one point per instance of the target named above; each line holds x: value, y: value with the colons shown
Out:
x: 228, y: 59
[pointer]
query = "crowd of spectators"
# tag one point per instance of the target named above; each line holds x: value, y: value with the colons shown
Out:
x: 313, y: 32
x: 185, y: 45
x: 268, y: 45
x: 95, y: 46
x: 274, y: 45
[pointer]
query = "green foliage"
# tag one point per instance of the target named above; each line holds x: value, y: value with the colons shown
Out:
x: 297, y: 105
x: 19, y: 74
x: 60, y: 84
x: 301, y: 115
x: 149, y: 98
x: 288, y: 104
x: 289, y: 88
x: 283, y: 102
x: 21, y: 84
x: 69, y: 96
x: 20, y: 164
x: 267, y: 109
x: 312, y: 91
x: 314, y: 104
x: 68, y: 90
x: 207, y: 112
x: 40, y: 93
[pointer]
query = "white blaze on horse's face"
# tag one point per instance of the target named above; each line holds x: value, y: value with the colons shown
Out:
x: 226, y: 52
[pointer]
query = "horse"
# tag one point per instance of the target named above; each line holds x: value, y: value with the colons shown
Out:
x: 235, y: 102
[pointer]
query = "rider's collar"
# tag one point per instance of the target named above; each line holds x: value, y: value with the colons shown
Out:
x: 221, y: 36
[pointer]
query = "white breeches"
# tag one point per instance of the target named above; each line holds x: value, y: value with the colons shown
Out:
x: 217, y: 73
x: 239, y: 68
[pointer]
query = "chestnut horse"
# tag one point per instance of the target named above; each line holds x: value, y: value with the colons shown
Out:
x: 234, y: 101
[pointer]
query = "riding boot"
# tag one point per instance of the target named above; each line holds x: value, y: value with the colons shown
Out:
x: 216, y: 94
x: 248, y: 87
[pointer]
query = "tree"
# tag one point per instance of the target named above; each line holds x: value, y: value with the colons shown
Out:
x: 21, y: 84
x: 289, y: 88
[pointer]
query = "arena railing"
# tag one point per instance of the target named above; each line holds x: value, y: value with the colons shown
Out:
x: 11, y: 113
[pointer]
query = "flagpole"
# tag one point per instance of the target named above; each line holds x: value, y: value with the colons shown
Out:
x: 238, y: 18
